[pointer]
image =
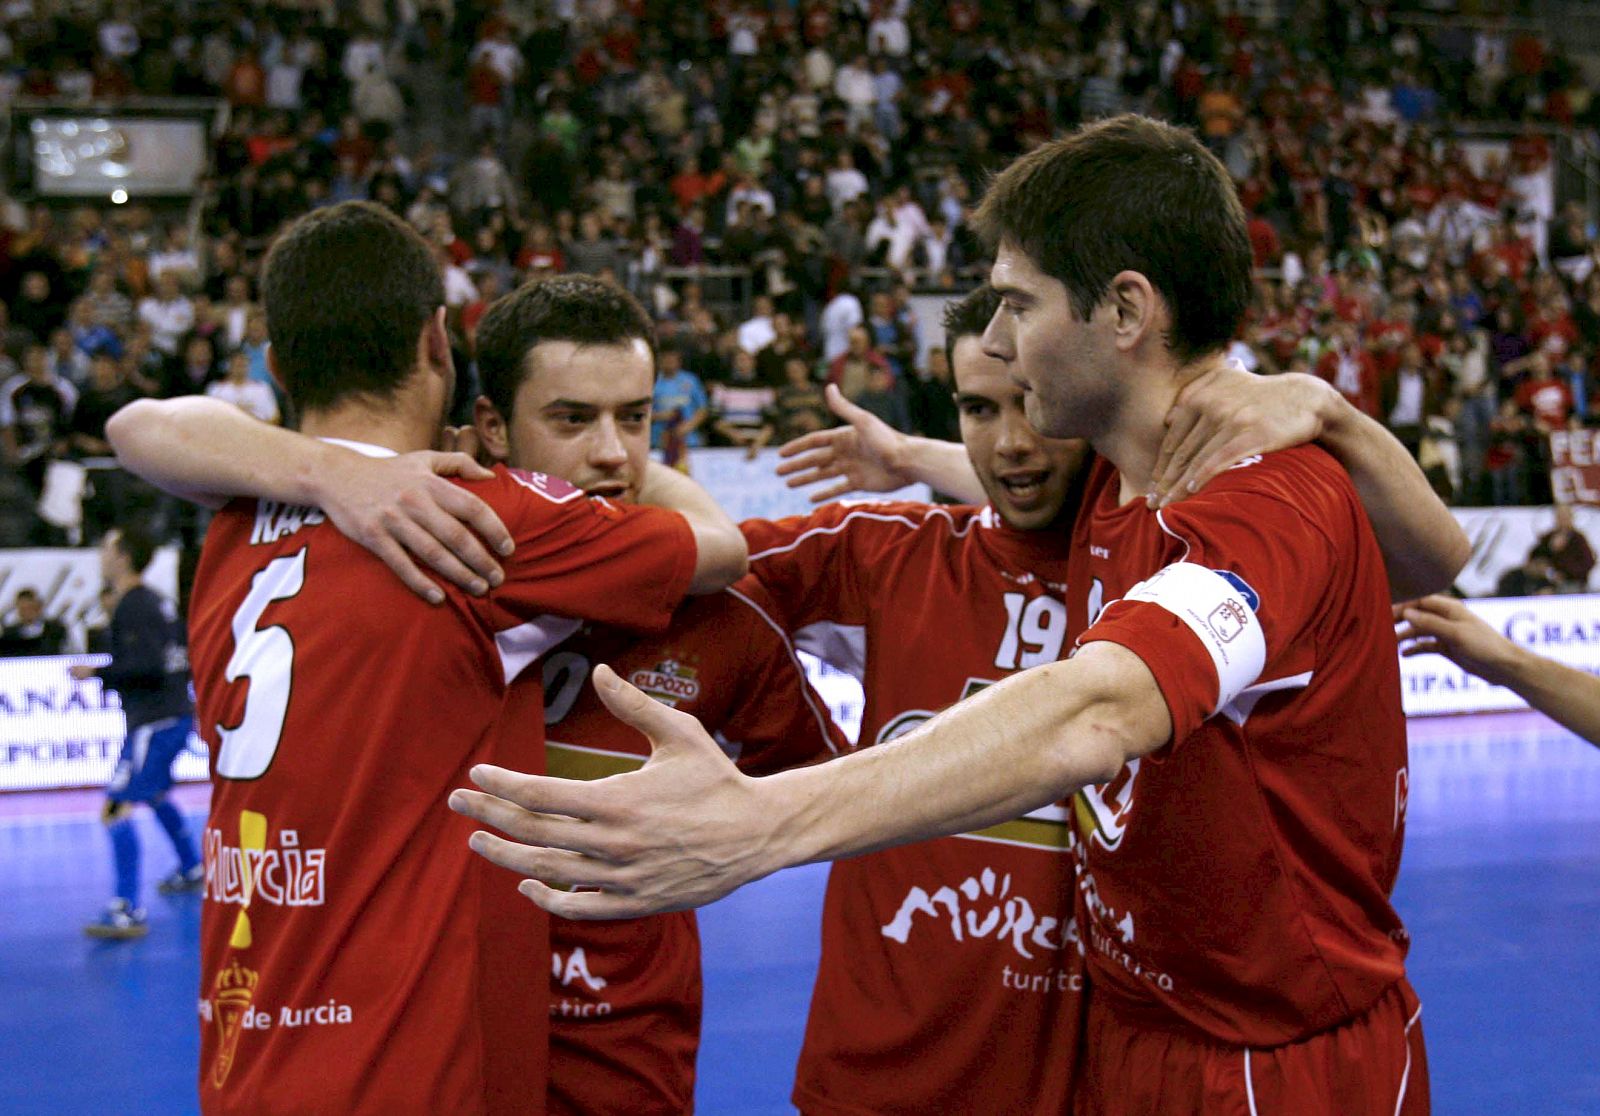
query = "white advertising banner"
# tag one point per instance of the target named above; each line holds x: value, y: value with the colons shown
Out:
x: 68, y: 581
x: 1502, y: 537
x: 749, y: 488
x: 1565, y: 629
x: 55, y: 732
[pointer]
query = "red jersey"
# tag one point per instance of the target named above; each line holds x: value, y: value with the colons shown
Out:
x: 1548, y: 400
x: 1355, y: 375
x: 625, y: 996
x: 1236, y: 882
x: 356, y: 956
x: 951, y: 969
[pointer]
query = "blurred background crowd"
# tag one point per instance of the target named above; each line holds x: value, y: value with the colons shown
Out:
x: 779, y: 181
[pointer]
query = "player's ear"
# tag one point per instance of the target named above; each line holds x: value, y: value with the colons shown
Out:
x: 1138, y: 309
x: 436, y: 345
x: 491, y: 427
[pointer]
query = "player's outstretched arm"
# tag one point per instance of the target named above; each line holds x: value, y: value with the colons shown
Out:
x: 721, y: 555
x: 869, y: 455
x: 402, y: 509
x: 688, y: 827
x: 1229, y: 414
x: 1445, y: 626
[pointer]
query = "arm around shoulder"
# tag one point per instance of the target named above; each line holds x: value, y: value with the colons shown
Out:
x: 206, y: 451
x: 1020, y: 744
x: 1424, y: 548
x: 721, y: 555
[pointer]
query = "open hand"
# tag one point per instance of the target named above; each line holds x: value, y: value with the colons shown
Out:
x: 406, y: 512
x: 1227, y: 415
x: 681, y: 831
x: 1440, y: 625
x: 863, y: 456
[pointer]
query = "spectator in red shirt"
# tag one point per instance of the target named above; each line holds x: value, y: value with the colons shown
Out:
x: 540, y: 254
x: 1552, y: 324
x: 1387, y: 336
x: 1512, y: 250
x: 1264, y: 243
x: 1350, y: 368
x: 1543, y: 396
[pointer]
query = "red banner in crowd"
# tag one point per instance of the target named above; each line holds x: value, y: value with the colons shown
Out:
x: 1575, y: 466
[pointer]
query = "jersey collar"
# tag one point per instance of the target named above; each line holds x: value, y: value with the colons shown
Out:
x: 363, y: 448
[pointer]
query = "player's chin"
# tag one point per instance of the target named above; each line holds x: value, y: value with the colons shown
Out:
x: 1029, y: 514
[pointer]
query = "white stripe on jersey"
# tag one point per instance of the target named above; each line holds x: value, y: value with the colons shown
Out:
x: 1249, y: 1085
x: 811, y: 698
x: 1405, y: 1077
x: 521, y: 645
x: 1239, y: 709
x: 933, y: 511
x: 841, y: 646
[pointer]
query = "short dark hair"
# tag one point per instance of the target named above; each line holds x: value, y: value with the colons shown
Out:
x: 582, y: 309
x: 347, y: 291
x: 968, y: 316
x: 136, y: 545
x: 1131, y: 194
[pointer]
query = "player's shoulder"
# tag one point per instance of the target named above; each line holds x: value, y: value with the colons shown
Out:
x: 523, y: 486
x: 1297, y: 490
x: 888, y: 519
x: 138, y: 602
x: 738, y: 617
x: 1302, y: 476
x: 520, y: 496
x: 246, y: 525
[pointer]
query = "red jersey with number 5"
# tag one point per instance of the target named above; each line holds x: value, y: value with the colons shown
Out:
x: 1236, y: 882
x: 951, y: 969
x: 356, y: 956
x: 625, y: 996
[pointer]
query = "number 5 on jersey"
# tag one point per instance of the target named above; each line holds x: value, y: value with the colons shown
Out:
x: 265, y: 656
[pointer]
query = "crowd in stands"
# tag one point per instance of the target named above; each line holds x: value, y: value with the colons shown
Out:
x: 774, y: 180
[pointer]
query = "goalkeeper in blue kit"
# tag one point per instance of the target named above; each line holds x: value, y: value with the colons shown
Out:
x: 149, y: 671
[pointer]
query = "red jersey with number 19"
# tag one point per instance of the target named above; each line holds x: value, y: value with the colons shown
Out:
x: 356, y: 956
x: 951, y: 969
x: 1236, y: 882
x: 625, y: 996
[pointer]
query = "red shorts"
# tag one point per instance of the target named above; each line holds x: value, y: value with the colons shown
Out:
x: 629, y: 1066
x: 1374, y: 1065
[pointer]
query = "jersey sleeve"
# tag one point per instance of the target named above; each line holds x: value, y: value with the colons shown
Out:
x: 1251, y: 570
x: 819, y: 568
x: 586, y: 558
x: 776, y: 718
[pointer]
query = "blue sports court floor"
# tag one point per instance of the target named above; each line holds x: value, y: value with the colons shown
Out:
x: 1501, y: 888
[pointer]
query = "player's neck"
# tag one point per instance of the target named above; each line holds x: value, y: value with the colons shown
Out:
x: 123, y: 582
x: 394, y: 425
x: 1132, y: 442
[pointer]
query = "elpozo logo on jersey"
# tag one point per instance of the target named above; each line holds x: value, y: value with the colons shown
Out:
x: 669, y: 682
